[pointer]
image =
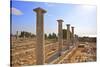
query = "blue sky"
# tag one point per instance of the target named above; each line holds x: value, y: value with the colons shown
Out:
x: 82, y: 17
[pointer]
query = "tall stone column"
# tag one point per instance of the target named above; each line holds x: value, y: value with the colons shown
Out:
x: 40, y: 52
x: 72, y: 31
x: 60, y: 35
x: 68, y: 34
x: 72, y: 35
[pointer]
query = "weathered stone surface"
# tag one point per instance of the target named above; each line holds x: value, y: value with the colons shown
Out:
x: 40, y: 52
x: 68, y: 34
x: 60, y: 35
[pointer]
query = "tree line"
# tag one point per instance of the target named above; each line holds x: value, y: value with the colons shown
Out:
x: 47, y: 36
x: 87, y: 39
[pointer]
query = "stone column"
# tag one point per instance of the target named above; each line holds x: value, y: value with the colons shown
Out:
x: 72, y: 31
x: 68, y: 34
x: 40, y: 52
x: 72, y: 37
x: 60, y: 35
x: 16, y: 34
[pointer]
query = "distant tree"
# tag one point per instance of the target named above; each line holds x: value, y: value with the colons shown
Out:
x: 87, y: 39
x: 26, y: 34
x: 33, y: 35
x: 54, y: 35
x: 45, y: 36
x: 22, y: 34
x: 50, y: 36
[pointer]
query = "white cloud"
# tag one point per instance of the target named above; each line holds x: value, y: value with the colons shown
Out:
x: 16, y: 11
x: 49, y: 4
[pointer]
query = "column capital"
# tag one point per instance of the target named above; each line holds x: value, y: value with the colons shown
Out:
x: 73, y: 27
x: 60, y: 20
x: 67, y: 24
x: 39, y: 9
